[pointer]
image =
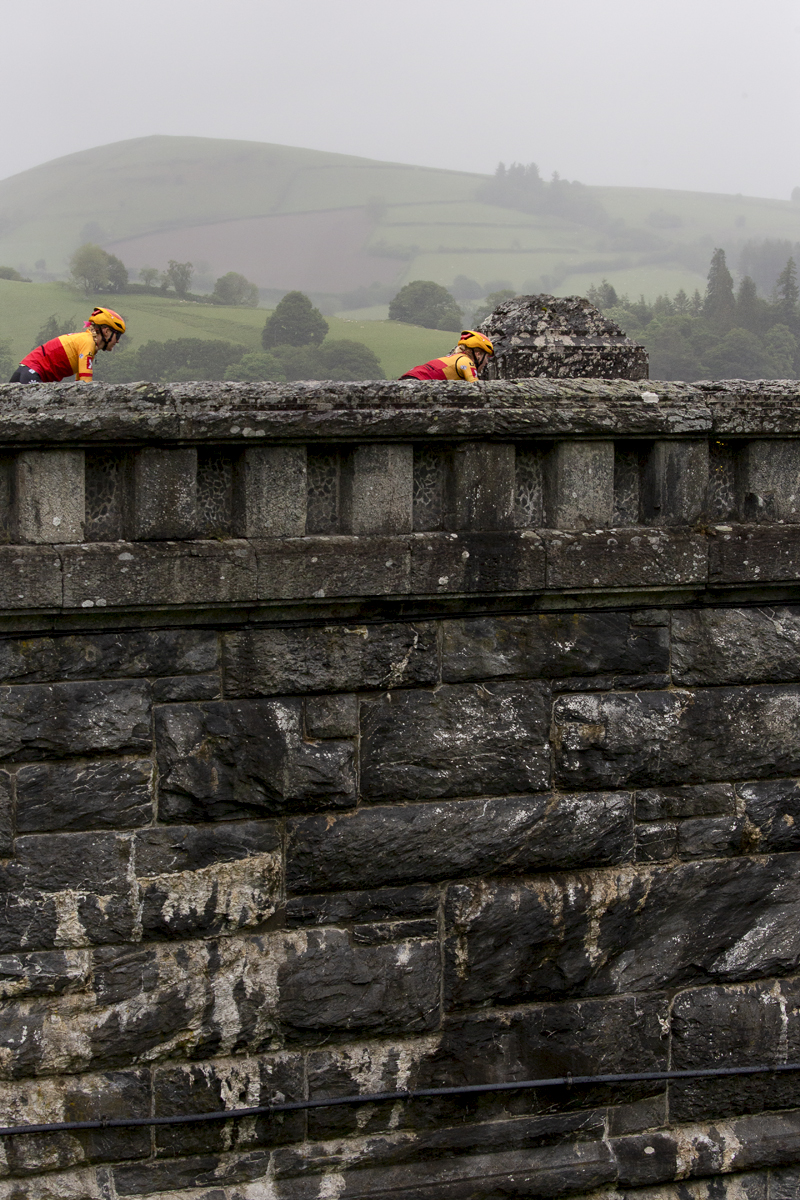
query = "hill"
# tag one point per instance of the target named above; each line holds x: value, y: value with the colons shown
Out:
x: 330, y: 224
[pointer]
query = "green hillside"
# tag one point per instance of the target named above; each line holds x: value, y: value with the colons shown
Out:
x: 330, y: 223
x: 24, y: 308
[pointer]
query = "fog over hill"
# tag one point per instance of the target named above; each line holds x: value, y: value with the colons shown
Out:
x: 332, y: 224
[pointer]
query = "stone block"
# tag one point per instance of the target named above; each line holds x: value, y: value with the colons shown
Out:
x: 105, y: 794
x: 328, y: 985
x: 131, y: 574
x: 754, y: 554
x: 736, y: 645
x: 167, y: 1179
x: 342, y: 657
x: 709, y: 800
x: 772, y: 815
x: 41, y: 721
x: 656, y: 841
x: 651, y: 738
x: 460, y: 740
x: 442, y: 563
x: 316, y: 568
x: 125, y: 653
x: 579, y: 485
x: 551, y: 645
x: 617, y: 558
x: 43, y: 973
x: 380, y: 904
x: 748, y: 1025
x: 49, y: 490
x: 28, y: 919
x: 332, y: 716
x: 482, y: 487
x: 6, y: 815
x: 30, y: 577
x: 374, y: 847
x: 164, y: 493
x: 186, y: 687
x: 270, y: 490
x: 84, y: 1183
x: 712, y: 837
x: 234, y: 758
x: 621, y: 930
x: 675, y: 483
x: 377, y: 485
x: 109, y: 1096
x: 228, y: 1083
x: 770, y: 480
x: 83, y: 862
x: 207, y: 880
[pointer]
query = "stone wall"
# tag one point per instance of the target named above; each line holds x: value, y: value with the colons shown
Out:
x: 377, y: 737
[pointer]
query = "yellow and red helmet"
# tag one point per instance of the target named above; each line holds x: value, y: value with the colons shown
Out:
x: 475, y: 341
x: 107, y: 316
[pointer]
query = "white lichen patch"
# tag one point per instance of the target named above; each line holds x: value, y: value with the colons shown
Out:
x: 236, y: 894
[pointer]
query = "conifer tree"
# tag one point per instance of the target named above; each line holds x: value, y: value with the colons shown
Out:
x: 787, y: 293
x: 719, y: 305
x: 747, y: 306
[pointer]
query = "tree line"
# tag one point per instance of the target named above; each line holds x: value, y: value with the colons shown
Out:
x: 95, y: 270
x: 294, y: 347
x: 727, y: 333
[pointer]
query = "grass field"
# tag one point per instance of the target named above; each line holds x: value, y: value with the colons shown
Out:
x: 24, y: 308
x: 289, y: 217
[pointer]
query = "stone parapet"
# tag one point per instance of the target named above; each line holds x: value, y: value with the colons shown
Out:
x: 403, y: 745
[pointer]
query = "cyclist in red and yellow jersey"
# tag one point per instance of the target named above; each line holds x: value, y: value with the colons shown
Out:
x: 466, y: 362
x: 72, y: 353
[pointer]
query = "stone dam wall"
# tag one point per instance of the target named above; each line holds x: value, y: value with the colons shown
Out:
x: 388, y: 736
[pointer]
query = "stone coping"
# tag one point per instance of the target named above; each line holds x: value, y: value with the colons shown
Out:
x: 394, y: 410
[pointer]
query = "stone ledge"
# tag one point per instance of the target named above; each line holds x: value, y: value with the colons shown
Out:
x: 92, y: 414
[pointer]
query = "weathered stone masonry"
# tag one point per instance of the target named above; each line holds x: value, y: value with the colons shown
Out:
x: 366, y: 737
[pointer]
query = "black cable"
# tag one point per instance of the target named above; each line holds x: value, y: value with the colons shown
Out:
x: 381, y: 1097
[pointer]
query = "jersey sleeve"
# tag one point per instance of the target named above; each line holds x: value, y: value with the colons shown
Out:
x: 466, y: 369
x: 85, y: 369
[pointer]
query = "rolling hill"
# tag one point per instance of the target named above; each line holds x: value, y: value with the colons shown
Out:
x: 329, y: 223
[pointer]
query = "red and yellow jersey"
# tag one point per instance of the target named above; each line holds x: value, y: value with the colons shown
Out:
x: 454, y: 366
x: 70, y: 354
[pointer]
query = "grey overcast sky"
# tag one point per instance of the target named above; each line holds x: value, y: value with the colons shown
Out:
x: 699, y: 94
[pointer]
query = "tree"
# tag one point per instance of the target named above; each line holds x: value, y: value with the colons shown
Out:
x: 343, y: 359
x: 781, y: 353
x: 719, y: 306
x: 148, y: 276
x: 739, y: 355
x: 748, y: 306
x: 179, y: 276
x: 787, y: 295
x: 256, y: 368
x: 490, y: 304
x: 604, y: 296
x: 54, y: 328
x: 464, y: 288
x: 11, y: 273
x: 235, y: 289
x: 295, y: 322
x: 428, y: 304
x: 182, y: 359
x: 117, y: 273
x: 89, y: 267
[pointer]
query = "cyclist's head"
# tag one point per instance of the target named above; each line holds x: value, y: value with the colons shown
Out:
x: 475, y: 341
x: 109, y: 325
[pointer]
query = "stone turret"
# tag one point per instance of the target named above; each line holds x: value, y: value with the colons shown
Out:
x: 564, y: 337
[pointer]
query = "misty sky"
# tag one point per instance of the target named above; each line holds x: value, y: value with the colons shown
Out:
x: 698, y: 94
